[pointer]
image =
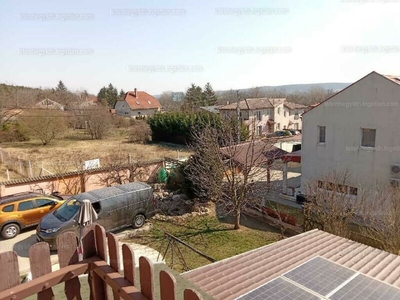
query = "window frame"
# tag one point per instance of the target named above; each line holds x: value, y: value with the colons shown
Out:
x: 319, y: 135
x: 258, y: 115
x: 362, y: 138
x: 51, y: 202
x: 33, y: 205
x: 6, y: 211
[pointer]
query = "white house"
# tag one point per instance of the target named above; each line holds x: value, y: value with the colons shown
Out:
x: 266, y: 115
x: 355, y: 130
x: 49, y: 104
x: 137, y: 104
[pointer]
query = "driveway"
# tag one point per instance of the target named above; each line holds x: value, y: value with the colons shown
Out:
x: 21, y: 244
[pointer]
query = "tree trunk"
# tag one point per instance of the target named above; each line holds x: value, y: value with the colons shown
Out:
x: 237, y: 220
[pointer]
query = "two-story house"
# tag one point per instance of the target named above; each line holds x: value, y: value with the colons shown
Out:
x: 137, y: 104
x: 355, y: 131
x: 266, y: 115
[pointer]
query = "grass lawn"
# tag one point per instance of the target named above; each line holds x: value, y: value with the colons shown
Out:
x: 208, y: 235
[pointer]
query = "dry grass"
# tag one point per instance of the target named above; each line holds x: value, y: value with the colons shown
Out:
x: 64, y: 154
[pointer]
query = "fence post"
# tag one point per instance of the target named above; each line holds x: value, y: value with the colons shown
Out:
x: 30, y: 169
x: 39, y: 261
x: 146, y: 277
x: 20, y: 165
x: 167, y: 286
x: 1, y: 155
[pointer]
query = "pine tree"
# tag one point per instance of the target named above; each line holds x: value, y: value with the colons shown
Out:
x: 108, y: 95
x: 61, y: 87
x: 121, y: 94
x: 209, y: 96
x: 193, y: 98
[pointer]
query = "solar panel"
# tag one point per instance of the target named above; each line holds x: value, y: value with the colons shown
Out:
x: 364, y: 287
x: 320, y: 275
x: 278, y: 289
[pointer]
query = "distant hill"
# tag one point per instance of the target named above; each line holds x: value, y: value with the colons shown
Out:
x: 294, y: 88
x: 305, y: 87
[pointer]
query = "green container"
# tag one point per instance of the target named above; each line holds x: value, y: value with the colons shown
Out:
x: 162, y: 175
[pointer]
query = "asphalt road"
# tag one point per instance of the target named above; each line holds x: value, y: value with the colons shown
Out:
x: 20, y: 244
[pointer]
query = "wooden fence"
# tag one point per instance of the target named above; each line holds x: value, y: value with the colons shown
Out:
x: 98, y: 248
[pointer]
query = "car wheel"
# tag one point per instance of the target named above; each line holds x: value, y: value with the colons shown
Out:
x: 138, y: 220
x: 10, y: 231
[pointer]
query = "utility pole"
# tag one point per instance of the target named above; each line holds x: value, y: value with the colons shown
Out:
x: 238, y: 116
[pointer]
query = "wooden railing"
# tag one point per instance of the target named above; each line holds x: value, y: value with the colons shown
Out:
x: 101, y: 260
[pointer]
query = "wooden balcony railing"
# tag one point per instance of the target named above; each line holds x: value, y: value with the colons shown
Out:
x: 101, y: 260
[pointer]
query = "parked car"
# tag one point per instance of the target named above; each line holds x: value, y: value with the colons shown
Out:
x: 282, y: 133
x: 294, y: 131
x: 117, y: 207
x: 24, y: 210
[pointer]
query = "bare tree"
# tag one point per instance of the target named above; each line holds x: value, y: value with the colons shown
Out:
x: 120, y: 169
x: 46, y: 125
x: 380, y: 220
x: 98, y: 121
x: 228, y: 174
x: 331, y: 203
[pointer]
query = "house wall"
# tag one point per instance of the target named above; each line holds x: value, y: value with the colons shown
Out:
x: 373, y: 102
x: 122, y: 109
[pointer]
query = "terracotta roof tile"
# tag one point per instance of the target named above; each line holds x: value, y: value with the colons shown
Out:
x: 141, y: 100
x: 235, y: 276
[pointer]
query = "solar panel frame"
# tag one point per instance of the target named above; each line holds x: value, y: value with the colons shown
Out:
x: 364, y: 287
x: 320, y: 275
x: 279, y: 289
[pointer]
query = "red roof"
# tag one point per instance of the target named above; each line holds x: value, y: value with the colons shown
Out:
x: 91, y: 98
x: 141, y: 100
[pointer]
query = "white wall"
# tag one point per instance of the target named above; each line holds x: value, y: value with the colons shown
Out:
x: 373, y: 102
x: 122, y: 109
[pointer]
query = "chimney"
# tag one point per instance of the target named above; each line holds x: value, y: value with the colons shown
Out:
x: 134, y: 93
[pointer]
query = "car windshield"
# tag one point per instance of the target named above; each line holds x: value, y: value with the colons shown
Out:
x: 69, y: 209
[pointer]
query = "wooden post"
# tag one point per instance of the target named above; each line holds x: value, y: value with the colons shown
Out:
x: 30, y: 169
x: 1, y: 156
x: 68, y: 254
x: 8, y: 175
x: 167, y: 286
x: 146, y: 277
x: 9, y: 263
x: 128, y: 258
x: 39, y: 260
x: 113, y: 251
x: 190, y: 294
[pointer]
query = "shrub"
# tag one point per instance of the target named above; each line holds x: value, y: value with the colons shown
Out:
x: 139, y: 132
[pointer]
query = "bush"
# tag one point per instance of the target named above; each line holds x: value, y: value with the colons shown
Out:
x: 14, y: 132
x: 139, y: 132
x: 121, y: 122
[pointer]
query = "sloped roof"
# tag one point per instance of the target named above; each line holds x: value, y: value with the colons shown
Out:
x: 254, y: 153
x: 394, y: 79
x: 141, y: 100
x: 237, y: 275
x: 292, y: 105
x: 255, y: 103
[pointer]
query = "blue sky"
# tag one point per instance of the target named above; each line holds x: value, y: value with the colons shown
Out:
x: 167, y: 45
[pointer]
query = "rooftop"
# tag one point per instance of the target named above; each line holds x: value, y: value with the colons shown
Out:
x: 238, y: 275
x: 255, y: 103
x: 141, y: 100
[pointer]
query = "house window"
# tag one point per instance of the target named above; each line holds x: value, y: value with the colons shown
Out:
x: 259, y: 130
x: 296, y: 126
x: 321, y: 134
x: 278, y: 126
x: 296, y: 111
x: 368, y: 137
x: 284, y: 114
x: 258, y: 115
x: 279, y: 110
